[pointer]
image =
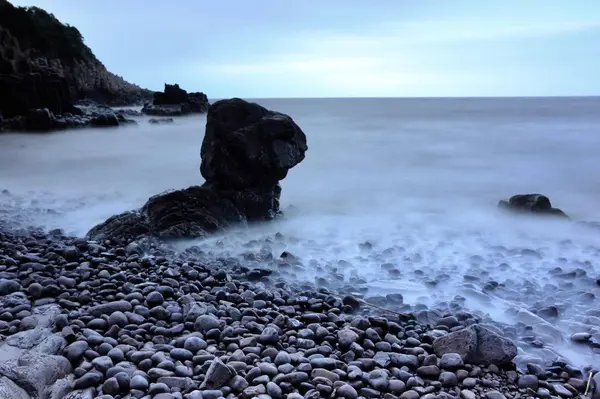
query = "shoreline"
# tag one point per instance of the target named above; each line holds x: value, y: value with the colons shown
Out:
x: 164, y: 318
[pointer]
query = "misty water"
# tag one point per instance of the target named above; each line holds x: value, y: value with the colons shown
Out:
x: 418, y: 179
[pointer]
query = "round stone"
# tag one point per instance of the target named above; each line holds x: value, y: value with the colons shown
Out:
x: 111, y: 386
x: 102, y: 363
x: 451, y: 361
x: 154, y: 298
x: 116, y: 355
x: 117, y: 319
x: 35, y: 290
x: 194, y: 344
x: 528, y: 381
x: 138, y: 382
x: 282, y: 358
x: 448, y: 379
x: 206, y: 323
x: 269, y: 336
x: 347, y: 391
x: 181, y: 354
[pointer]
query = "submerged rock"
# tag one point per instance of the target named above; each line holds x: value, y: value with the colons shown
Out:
x: 246, y: 150
x: 531, y: 203
x: 160, y: 121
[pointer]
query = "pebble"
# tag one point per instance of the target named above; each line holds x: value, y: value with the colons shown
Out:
x: 448, y: 379
x: 152, y: 323
x: 347, y: 391
x: 154, y: 299
x: 269, y: 336
x: 138, y: 382
x: 528, y: 381
x: 451, y: 361
x: 194, y: 344
x: 111, y: 386
x: 494, y: 395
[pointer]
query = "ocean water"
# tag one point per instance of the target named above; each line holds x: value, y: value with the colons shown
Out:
x: 419, y: 179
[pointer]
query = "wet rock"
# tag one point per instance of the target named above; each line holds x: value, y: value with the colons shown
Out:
x: 8, y: 286
x: 139, y: 382
x: 477, y: 344
x: 347, y: 391
x: 531, y: 203
x: 269, y: 336
x: 528, y: 381
x: 110, y: 307
x: 451, y: 361
x: 235, y: 130
x: 346, y: 338
x: 217, y: 376
x: 494, y: 395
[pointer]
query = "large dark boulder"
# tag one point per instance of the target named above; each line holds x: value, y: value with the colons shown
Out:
x: 172, y: 94
x: 39, y: 120
x: 477, y: 344
x: 246, y: 145
x: 531, y: 203
x: 174, y: 101
x: 192, y: 212
x: 246, y: 151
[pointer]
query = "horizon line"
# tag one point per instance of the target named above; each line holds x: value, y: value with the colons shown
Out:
x: 411, y: 97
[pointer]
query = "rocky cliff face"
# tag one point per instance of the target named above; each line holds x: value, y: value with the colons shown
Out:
x: 45, y: 64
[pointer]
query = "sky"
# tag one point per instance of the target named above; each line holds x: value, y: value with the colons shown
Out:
x: 345, y: 48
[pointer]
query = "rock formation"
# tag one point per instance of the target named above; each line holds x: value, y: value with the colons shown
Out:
x: 175, y: 101
x: 45, y: 64
x: 246, y: 151
x: 531, y: 203
x: 477, y: 344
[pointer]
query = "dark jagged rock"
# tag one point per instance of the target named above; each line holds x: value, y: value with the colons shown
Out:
x: 44, y: 120
x: 174, y: 101
x: 531, y: 203
x: 24, y: 92
x: 246, y: 145
x: 105, y: 120
x: 247, y: 149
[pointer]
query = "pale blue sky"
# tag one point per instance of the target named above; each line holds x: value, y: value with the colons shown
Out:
x: 338, y: 48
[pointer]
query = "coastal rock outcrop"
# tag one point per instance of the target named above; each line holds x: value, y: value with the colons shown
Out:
x: 44, y: 120
x: 247, y: 150
x: 174, y: 101
x: 45, y: 64
x: 531, y: 203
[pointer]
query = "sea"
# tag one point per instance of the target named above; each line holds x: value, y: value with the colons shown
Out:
x: 394, y: 196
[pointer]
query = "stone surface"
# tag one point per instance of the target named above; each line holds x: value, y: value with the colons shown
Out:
x: 531, y: 203
x: 174, y: 101
x: 246, y: 145
x: 477, y: 344
x: 246, y: 151
x: 217, y: 375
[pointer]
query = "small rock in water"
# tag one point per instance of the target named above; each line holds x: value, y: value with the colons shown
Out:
x: 581, y: 337
x: 351, y: 301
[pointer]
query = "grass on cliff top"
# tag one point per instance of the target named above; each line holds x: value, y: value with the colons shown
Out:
x: 42, y: 34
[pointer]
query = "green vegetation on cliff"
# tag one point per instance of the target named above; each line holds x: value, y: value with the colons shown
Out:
x: 40, y: 33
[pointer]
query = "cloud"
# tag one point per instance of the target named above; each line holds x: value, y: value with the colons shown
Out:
x: 471, y: 29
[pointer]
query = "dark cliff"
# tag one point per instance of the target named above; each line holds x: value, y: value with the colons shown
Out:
x: 45, y: 64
